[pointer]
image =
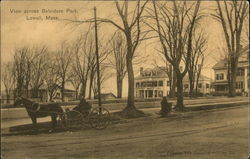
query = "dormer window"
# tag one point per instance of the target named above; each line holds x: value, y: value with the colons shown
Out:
x: 240, y: 72
x: 153, y: 73
x: 220, y: 76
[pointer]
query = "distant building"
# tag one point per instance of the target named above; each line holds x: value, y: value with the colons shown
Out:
x: 42, y: 96
x: 242, y: 79
x: 69, y: 95
x: 106, y: 96
x: 154, y: 83
x: 204, y: 85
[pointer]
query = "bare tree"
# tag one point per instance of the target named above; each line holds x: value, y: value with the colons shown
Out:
x: 104, y: 51
x: 196, y: 61
x: 51, y: 79
x: 22, y: 70
x: 8, y: 79
x: 63, y: 59
x: 168, y: 69
x: 84, y: 59
x: 118, y: 60
x: 175, y: 27
x: 232, y: 15
x: 38, y: 65
x: 104, y: 75
x: 132, y: 31
x: 75, y: 81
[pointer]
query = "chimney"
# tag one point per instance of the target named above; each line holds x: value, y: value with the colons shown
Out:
x: 141, y: 70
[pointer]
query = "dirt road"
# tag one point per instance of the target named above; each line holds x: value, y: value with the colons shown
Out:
x: 214, y: 134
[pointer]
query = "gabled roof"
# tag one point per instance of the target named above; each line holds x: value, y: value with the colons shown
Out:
x: 201, y: 78
x: 243, y: 59
x: 220, y: 64
x: 103, y: 95
x: 161, y: 73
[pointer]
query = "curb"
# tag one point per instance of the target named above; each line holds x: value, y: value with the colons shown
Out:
x: 216, y: 106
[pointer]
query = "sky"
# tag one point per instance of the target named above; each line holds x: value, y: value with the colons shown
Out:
x: 18, y: 30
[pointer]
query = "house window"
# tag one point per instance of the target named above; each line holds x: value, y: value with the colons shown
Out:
x: 199, y: 85
x: 239, y: 85
x: 148, y: 74
x: 160, y: 83
x: 220, y: 76
x: 240, y: 72
x: 186, y: 86
x: 168, y: 83
x: 155, y: 93
x: 155, y: 83
x: 160, y: 93
x: 207, y: 85
x: 137, y: 84
x: 154, y: 73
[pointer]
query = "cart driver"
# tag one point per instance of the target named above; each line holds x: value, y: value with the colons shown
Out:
x: 83, y: 107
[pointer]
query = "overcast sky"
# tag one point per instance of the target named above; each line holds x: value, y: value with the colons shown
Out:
x: 18, y: 31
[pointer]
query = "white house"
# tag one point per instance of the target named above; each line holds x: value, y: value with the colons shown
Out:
x: 151, y: 83
x: 154, y: 83
x: 204, y: 85
x: 242, y: 79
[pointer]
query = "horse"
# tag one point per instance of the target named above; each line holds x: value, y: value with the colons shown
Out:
x: 36, y: 110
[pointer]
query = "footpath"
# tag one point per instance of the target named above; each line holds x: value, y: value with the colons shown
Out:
x: 190, y: 105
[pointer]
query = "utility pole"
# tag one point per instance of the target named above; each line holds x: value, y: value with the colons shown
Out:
x: 97, y: 62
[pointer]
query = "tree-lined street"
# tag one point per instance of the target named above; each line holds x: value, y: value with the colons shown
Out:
x: 90, y: 68
x: 216, y: 134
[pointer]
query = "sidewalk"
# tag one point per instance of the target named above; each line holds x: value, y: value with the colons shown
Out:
x: 193, y: 107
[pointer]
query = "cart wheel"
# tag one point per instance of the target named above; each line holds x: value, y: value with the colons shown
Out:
x: 86, y: 123
x: 72, y: 119
x: 99, y: 118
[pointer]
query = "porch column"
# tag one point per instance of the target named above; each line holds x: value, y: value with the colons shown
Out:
x: 246, y: 80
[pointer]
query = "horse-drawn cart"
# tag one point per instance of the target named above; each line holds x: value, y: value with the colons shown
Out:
x: 79, y: 116
x: 98, y: 118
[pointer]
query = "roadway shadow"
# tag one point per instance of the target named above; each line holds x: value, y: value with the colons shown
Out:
x: 42, y: 128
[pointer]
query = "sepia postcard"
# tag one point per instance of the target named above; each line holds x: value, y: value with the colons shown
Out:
x: 125, y: 79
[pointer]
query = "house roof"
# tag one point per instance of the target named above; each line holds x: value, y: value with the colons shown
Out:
x: 105, y: 95
x: 201, y: 78
x: 59, y: 87
x: 243, y: 59
x: 161, y: 73
x: 220, y: 64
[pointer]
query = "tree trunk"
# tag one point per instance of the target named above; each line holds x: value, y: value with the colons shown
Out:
x: 173, y: 86
x: 35, y: 92
x: 232, y: 83
x: 179, y: 105
x: 50, y: 96
x: 191, y: 84
x: 90, y: 85
x: 196, y: 86
x: 76, y: 93
x: 119, y: 87
x: 62, y: 90
x: 83, y: 89
x: 130, y: 102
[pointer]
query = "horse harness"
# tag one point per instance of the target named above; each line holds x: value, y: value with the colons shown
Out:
x: 37, y: 109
